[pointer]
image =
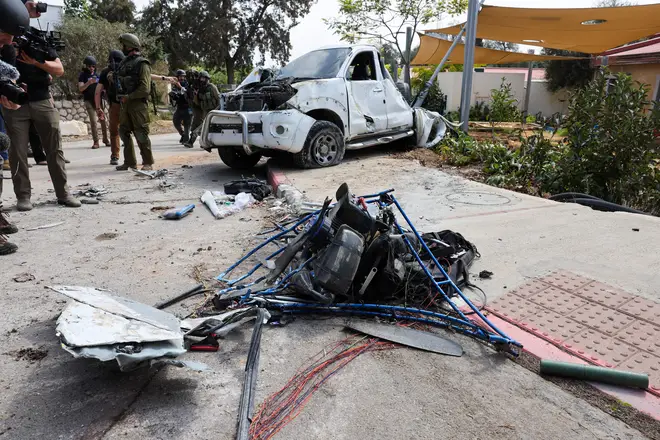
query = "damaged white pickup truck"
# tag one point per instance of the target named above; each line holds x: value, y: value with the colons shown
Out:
x: 316, y: 107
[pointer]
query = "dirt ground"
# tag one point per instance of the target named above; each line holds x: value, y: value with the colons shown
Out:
x: 123, y: 246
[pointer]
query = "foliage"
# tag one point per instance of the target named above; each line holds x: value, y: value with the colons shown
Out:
x: 609, y: 150
x: 497, y: 45
x: 224, y: 34
x: 217, y: 76
x: 435, y: 101
x: 614, y: 3
x: 503, y: 105
x: 84, y: 37
x: 76, y: 8
x: 385, y: 20
x: 113, y: 10
x: 568, y: 73
x: 479, y: 111
x: 611, y: 142
x: 530, y: 119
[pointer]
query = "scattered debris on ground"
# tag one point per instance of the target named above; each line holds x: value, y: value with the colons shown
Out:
x: 177, y: 213
x: 228, y: 204
x: 89, y: 201
x: 48, y: 226
x: 29, y: 354
x: 87, y: 190
x: 485, y: 274
x: 107, y: 236
x: 161, y: 208
x: 24, y: 277
x: 258, y: 188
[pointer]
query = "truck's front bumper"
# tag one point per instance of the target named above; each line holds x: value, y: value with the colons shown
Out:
x: 284, y: 130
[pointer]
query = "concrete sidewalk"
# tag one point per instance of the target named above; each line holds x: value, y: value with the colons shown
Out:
x: 394, y: 394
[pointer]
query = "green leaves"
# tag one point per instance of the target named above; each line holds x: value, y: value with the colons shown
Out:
x: 503, y: 105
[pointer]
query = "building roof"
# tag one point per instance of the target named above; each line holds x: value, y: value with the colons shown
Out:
x: 642, y: 52
x: 588, y: 30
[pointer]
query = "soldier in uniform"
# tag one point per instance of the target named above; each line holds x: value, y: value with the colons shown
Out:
x: 182, y: 115
x: 205, y: 99
x: 108, y: 85
x: 134, y: 75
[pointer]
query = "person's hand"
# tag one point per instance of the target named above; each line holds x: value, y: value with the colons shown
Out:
x: 6, y: 103
x: 91, y: 81
x: 100, y: 114
x: 32, y: 9
x: 124, y: 99
x: 25, y: 58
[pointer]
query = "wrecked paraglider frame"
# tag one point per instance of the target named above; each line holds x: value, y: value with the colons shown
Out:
x: 363, y: 257
x: 315, y: 108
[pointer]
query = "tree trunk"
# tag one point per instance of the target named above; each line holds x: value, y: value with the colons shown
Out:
x: 229, y: 65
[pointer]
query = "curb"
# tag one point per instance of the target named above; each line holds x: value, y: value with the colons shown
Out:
x: 282, y: 186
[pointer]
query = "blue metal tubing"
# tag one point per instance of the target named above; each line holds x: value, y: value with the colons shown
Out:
x: 254, y: 269
x: 484, y: 336
x: 269, y: 240
x: 439, y: 266
x: 371, y: 196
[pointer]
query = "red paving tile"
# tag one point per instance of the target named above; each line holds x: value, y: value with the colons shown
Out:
x: 557, y: 300
x: 642, y: 308
x: 601, y: 318
x: 551, y: 325
x: 645, y: 363
x: 603, y: 294
x: 593, y: 320
x: 601, y: 347
x: 513, y: 307
x: 566, y: 280
x: 530, y: 288
x: 642, y: 335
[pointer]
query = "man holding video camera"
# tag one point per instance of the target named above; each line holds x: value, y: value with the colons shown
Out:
x: 36, y: 59
x: 13, y: 20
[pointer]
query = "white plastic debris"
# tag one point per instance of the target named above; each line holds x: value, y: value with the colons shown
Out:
x: 100, y: 325
x: 226, y: 208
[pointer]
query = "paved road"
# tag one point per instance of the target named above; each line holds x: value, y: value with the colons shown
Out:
x: 396, y: 394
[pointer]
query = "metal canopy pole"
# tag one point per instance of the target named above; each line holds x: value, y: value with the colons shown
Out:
x: 468, y: 62
x: 528, y: 92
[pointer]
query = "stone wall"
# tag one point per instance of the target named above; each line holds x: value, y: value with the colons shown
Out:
x: 73, y: 110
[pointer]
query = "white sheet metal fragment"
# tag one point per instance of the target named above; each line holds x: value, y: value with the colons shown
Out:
x: 81, y: 325
x: 125, y: 307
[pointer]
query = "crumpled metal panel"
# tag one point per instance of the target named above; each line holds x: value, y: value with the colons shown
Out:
x: 106, y: 327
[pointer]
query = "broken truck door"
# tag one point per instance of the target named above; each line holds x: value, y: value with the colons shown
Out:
x: 366, y: 95
x: 399, y: 113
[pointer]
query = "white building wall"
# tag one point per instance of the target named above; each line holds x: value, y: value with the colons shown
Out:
x: 541, y: 100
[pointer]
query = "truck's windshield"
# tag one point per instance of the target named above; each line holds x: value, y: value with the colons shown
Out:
x: 318, y: 64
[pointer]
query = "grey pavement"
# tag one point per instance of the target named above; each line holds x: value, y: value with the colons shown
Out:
x: 394, y: 394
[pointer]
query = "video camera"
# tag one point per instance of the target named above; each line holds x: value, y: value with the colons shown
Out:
x: 41, y: 45
x: 9, y: 74
x: 193, y: 79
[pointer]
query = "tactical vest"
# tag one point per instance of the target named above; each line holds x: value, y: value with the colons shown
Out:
x: 129, y: 73
x: 207, y: 101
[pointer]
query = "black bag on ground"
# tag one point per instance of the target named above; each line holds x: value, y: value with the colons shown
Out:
x: 258, y: 188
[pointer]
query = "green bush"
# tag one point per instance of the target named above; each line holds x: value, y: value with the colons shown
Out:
x: 479, y: 112
x: 503, y: 105
x: 86, y: 36
x: 611, y: 143
x: 435, y: 101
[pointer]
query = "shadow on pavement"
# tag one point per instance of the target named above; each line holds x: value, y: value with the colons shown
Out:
x: 63, y: 397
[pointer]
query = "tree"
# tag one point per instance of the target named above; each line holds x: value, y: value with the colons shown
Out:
x: 614, y: 3
x: 386, y: 20
x: 225, y: 33
x: 76, y: 8
x: 567, y: 73
x: 498, y: 45
x: 113, y: 10
x: 83, y: 37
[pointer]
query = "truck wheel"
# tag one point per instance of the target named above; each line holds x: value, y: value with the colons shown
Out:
x: 324, y: 147
x: 237, y: 159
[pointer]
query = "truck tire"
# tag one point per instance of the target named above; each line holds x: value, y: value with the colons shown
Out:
x: 236, y: 159
x: 324, y: 147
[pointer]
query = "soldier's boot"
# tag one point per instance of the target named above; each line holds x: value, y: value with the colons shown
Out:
x: 6, y: 227
x: 6, y: 247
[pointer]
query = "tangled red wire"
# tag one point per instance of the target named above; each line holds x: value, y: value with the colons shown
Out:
x: 280, y: 408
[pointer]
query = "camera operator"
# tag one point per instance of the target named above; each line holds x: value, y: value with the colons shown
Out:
x: 205, y: 98
x: 38, y: 110
x: 87, y: 84
x: 13, y: 20
x: 108, y: 84
x: 182, y: 116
